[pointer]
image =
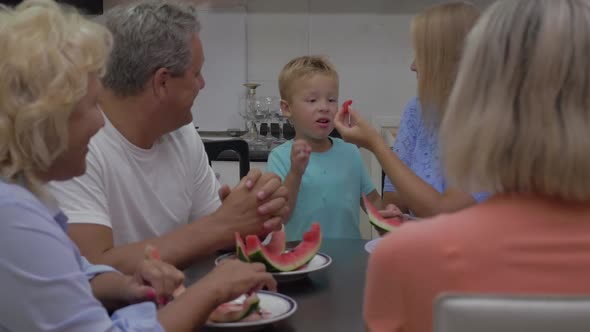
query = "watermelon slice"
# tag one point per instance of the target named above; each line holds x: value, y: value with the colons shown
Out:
x: 346, y: 106
x: 381, y: 223
x: 276, y: 245
x: 234, y: 311
x: 241, y: 252
x: 286, y: 261
x: 278, y: 242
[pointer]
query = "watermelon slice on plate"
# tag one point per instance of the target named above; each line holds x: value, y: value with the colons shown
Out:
x: 270, y: 308
x: 236, y: 310
x: 289, y: 260
x: 285, y: 264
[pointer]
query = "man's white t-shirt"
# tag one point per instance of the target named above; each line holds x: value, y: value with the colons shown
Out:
x: 141, y: 193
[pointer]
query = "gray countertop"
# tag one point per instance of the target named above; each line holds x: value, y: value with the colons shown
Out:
x: 255, y: 155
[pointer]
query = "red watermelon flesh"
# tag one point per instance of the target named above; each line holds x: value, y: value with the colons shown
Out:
x: 346, y: 106
x: 278, y: 242
x: 241, y: 251
x: 384, y: 224
x: 275, y: 246
x: 286, y: 261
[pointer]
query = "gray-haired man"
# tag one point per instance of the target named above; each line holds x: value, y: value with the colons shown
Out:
x: 148, y: 180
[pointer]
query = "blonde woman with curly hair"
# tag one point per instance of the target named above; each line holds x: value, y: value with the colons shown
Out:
x: 52, y: 59
x: 518, y: 126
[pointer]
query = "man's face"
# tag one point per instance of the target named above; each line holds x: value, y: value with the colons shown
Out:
x: 184, y: 89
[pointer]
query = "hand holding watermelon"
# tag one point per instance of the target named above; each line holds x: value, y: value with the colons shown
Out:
x: 382, y: 223
x: 354, y: 129
x: 233, y: 278
x: 391, y: 211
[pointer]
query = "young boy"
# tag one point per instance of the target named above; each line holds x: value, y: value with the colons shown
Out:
x: 325, y: 176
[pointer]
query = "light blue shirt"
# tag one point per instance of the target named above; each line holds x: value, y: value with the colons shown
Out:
x: 417, y: 146
x: 330, y: 190
x: 44, y: 279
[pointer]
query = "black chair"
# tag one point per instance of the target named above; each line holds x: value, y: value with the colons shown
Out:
x: 215, y: 148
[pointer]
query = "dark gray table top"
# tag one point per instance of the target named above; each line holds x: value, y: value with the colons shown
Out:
x: 328, y: 300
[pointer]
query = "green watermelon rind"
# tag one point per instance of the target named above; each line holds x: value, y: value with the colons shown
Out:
x: 260, y: 257
x: 252, y: 303
x: 241, y: 249
x: 379, y: 225
x: 374, y: 217
x: 254, y: 306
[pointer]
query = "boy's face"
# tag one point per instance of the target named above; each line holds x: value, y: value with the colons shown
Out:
x: 312, y: 107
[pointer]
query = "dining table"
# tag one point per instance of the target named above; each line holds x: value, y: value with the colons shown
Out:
x: 330, y: 299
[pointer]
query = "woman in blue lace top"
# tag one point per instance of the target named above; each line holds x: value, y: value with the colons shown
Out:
x: 415, y: 181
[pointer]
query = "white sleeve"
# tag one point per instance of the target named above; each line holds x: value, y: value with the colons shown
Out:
x: 205, y: 185
x: 83, y: 199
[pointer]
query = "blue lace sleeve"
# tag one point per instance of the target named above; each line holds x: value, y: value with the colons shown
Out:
x: 405, y: 142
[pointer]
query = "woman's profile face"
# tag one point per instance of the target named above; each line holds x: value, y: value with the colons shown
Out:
x: 84, y: 122
x: 413, y: 67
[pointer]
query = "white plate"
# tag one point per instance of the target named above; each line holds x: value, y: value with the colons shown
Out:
x: 278, y: 306
x: 371, y: 245
x: 318, y: 262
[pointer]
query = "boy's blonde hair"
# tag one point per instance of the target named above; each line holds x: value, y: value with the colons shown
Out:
x: 302, y: 68
x: 47, y: 53
x: 438, y: 35
x: 519, y: 115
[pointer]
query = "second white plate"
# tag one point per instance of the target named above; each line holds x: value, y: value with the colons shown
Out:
x: 278, y: 307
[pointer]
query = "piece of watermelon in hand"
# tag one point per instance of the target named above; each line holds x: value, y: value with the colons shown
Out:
x: 383, y: 225
x: 346, y: 110
x: 346, y: 106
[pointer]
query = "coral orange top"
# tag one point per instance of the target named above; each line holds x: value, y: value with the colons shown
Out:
x: 509, y: 244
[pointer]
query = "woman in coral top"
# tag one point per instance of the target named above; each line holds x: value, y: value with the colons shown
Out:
x: 517, y: 125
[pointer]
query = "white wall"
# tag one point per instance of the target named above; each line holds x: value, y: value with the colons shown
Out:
x: 369, y: 45
x: 371, y: 49
x: 250, y: 40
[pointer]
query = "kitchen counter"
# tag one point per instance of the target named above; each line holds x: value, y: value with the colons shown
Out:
x: 255, y: 155
x: 229, y: 155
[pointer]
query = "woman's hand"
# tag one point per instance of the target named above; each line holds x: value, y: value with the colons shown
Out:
x: 391, y: 211
x: 355, y: 129
x: 233, y: 278
x: 154, y: 278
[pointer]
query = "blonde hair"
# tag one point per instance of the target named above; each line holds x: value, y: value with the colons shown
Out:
x: 302, y: 68
x: 519, y: 116
x: 47, y: 53
x: 438, y: 37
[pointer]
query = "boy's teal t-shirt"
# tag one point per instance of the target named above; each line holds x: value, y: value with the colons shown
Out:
x: 330, y: 190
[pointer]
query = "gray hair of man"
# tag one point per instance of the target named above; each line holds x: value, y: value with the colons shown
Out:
x: 148, y: 35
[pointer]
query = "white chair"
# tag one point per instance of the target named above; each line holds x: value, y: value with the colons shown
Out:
x: 486, y: 313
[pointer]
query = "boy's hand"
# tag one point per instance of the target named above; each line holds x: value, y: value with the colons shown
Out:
x: 300, y: 156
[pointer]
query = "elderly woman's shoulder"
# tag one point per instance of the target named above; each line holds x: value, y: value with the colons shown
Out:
x: 14, y: 194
